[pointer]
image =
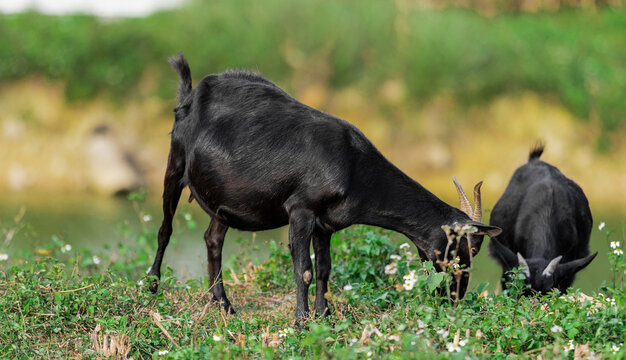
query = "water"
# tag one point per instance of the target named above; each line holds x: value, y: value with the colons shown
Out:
x: 93, y: 222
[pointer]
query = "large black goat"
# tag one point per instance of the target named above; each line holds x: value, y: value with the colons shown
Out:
x: 254, y: 158
x: 546, y: 224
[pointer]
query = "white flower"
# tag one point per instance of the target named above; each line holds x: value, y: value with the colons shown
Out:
x: 614, y: 244
x: 217, y: 337
x: 140, y: 282
x: 369, y: 354
x: 395, y: 257
x: 409, y: 280
x: 453, y: 348
x: 405, y: 245
x: 618, y: 252
x: 147, y: 218
x: 66, y: 248
x: 420, y: 324
x: 283, y: 333
x: 187, y: 216
x: 163, y: 352
x: 412, y: 343
x: 570, y: 346
x: 353, y: 341
x: 601, y: 226
x: 96, y: 260
x: 455, y: 264
x: 443, y: 333
x: 391, y: 269
x: 348, y: 287
x: 463, y: 342
x: 556, y: 329
x: 4, y: 257
x: 614, y: 349
x: 394, y: 337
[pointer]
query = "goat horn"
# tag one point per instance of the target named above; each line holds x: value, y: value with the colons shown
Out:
x: 523, y: 265
x: 478, y: 209
x: 466, y: 207
x: 549, y: 270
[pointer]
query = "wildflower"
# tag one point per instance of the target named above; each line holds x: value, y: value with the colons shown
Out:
x: 391, y: 269
x: 601, y: 226
x: 618, y: 252
x: 66, y: 248
x: 147, y: 218
x: 463, y: 342
x: 614, y: 244
x: 4, y: 257
x: 369, y: 354
x: 409, y: 280
x: 395, y: 257
x: 217, y: 337
x: 96, y: 260
x: 570, y: 346
x: 420, y: 324
x: 140, y: 282
x: 412, y: 343
x: 556, y: 329
x: 353, y: 341
x: 187, y: 216
x: 615, y: 349
x: 453, y: 348
x: 163, y: 352
x: 283, y: 333
x: 443, y: 333
x: 405, y: 245
x: 348, y: 287
x: 455, y: 264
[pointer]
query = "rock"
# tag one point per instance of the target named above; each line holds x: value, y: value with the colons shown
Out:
x: 111, y: 168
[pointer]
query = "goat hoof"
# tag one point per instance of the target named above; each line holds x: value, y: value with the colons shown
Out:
x: 154, y: 287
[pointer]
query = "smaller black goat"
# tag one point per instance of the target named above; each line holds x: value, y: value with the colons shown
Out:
x: 546, y: 224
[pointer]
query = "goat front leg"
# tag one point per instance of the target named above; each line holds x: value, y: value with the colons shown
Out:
x: 321, y: 246
x: 171, y: 194
x: 214, y: 239
x: 301, y: 223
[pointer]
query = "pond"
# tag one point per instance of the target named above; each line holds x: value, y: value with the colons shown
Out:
x: 94, y: 222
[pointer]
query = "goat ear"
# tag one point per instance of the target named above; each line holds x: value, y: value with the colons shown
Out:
x: 523, y: 265
x: 503, y: 254
x: 551, y: 268
x: 574, y: 266
x: 488, y: 230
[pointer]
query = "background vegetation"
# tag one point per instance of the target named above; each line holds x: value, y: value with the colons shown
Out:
x: 575, y: 55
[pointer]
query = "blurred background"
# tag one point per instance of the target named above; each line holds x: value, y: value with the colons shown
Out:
x: 442, y: 88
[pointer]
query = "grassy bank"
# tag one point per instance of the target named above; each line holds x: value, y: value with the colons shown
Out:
x: 572, y: 55
x: 61, y: 302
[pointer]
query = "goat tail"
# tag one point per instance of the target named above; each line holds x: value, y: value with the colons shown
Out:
x: 181, y: 66
x: 536, y: 150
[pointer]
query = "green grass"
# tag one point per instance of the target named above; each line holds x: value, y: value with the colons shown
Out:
x: 60, y: 303
x: 572, y: 55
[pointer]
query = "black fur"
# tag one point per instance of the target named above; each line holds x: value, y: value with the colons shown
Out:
x: 255, y: 158
x: 543, y: 215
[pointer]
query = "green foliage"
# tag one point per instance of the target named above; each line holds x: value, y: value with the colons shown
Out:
x: 386, y: 305
x: 575, y: 55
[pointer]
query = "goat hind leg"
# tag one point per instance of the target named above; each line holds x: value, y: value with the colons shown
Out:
x: 214, y: 239
x: 171, y: 194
